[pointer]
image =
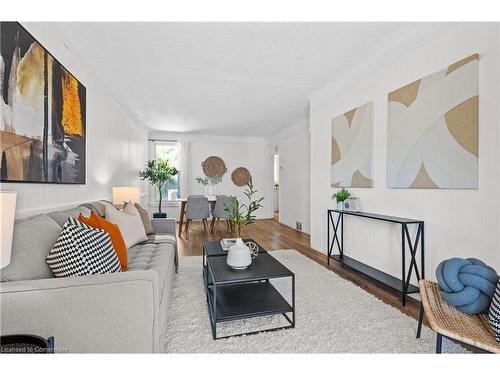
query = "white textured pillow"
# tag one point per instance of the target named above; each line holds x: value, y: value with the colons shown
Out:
x: 130, y: 224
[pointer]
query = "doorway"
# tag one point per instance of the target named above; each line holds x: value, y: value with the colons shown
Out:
x: 276, y: 196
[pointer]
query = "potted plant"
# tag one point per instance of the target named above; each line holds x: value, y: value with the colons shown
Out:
x: 158, y: 173
x: 240, y: 255
x: 241, y: 215
x: 341, y: 196
x: 209, y: 183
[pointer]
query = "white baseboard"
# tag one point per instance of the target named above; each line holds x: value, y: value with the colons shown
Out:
x: 318, y: 247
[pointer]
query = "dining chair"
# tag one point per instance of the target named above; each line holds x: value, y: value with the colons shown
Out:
x: 197, y: 208
x: 219, y: 212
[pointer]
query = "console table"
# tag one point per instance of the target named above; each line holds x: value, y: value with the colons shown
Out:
x: 401, y: 285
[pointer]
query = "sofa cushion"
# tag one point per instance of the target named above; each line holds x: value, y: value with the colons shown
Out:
x: 160, y: 238
x: 61, y: 217
x: 32, y: 240
x: 98, y: 207
x: 157, y: 257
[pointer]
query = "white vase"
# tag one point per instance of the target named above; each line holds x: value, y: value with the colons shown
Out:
x: 240, y: 255
x: 340, y: 206
x: 212, y: 190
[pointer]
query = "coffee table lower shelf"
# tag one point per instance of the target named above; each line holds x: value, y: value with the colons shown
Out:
x: 245, y: 301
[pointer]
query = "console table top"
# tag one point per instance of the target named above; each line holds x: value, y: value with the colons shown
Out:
x: 369, y: 215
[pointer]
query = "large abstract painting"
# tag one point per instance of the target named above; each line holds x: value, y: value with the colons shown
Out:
x: 42, y: 134
x: 433, y: 130
x: 352, y: 145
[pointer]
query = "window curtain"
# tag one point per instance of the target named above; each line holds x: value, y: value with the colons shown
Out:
x: 184, y: 167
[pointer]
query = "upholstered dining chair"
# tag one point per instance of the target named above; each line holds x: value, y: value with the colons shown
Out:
x: 197, y: 208
x: 219, y: 211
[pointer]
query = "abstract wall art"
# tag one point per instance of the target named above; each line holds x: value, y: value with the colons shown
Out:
x: 352, y: 148
x: 433, y: 128
x: 42, y: 133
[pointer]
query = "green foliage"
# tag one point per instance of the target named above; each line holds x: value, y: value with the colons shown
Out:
x: 341, y: 195
x: 202, y: 180
x: 209, y: 180
x: 243, y: 214
x: 158, y: 173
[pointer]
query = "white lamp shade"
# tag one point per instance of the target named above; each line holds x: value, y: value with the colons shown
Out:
x: 126, y: 194
x: 8, y: 213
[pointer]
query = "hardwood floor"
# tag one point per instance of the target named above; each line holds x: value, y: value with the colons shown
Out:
x: 272, y: 235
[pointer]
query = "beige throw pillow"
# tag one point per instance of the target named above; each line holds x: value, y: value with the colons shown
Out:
x: 146, y: 221
x: 130, y: 224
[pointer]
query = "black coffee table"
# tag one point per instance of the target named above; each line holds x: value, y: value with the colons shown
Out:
x: 243, y: 294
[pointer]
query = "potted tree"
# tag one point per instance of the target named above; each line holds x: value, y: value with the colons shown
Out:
x: 158, y: 173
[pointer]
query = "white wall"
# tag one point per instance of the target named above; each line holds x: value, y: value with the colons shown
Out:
x: 294, y: 193
x: 463, y: 223
x: 116, y: 147
x: 252, y: 153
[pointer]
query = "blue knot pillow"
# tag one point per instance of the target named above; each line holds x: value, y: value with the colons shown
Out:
x: 468, y: 284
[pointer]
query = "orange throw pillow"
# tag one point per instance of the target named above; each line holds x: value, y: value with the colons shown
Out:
x: 91, y: 221
x: 115, y: 234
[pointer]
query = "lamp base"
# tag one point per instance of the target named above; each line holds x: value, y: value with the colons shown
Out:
x: 159, y: 215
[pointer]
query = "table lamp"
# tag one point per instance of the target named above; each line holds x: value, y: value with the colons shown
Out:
x: 126, y: 194
x: 8, y: 213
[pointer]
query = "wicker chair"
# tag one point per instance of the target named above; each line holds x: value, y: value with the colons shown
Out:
x: 448, y: 322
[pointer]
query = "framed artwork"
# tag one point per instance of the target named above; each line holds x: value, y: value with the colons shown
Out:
x: 433, y: 129
x: 352, y: 148
x: 42, y: 133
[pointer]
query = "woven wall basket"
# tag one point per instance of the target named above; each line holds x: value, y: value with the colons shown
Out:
x: 241, y: 176
x: 213, y: 166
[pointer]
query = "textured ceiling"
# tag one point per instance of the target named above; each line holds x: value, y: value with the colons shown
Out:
x: 240, y: 79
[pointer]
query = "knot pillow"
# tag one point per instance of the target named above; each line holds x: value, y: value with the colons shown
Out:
x: 467, y: 284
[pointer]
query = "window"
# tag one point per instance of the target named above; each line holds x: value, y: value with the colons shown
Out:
x: 169, y: 151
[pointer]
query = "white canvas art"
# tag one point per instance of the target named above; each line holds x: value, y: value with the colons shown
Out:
x: 352, y: 148
x: 433, y: 130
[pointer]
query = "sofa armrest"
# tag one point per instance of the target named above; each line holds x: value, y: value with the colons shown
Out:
x: 86, y: 314
x: 164, y: 226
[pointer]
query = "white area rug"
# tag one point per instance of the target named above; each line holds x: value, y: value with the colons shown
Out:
x: 332, y: 316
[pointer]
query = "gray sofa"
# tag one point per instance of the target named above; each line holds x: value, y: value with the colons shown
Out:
x: 120, y: 312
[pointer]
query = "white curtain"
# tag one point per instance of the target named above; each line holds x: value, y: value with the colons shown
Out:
x: 184, y: 167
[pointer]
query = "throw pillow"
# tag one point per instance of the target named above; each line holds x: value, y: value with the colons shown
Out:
x: 114, y: 232
x: 90, y: 221
x: 146, y: 221
x: 130, y: 224
x: 494, y: 314
x: 81, y: 250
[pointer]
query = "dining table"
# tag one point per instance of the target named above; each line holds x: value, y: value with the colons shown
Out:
x: 211, y: 202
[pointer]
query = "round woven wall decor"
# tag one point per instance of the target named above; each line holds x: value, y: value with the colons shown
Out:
x: 213, y: 166
x: 241, y: 176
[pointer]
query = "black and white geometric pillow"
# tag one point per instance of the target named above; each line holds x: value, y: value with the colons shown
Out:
x: 82, y: 250
x: 494, y: 314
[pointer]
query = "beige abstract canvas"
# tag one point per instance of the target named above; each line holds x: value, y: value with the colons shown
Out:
x: 352, y: 147
x: 433, y: 127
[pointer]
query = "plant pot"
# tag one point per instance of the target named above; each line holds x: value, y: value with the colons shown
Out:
x: 159, y: 215
x: 340, y: 206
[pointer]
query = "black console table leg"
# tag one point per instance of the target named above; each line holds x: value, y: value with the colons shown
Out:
x: 403, y: 265
x: 328, y: 215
